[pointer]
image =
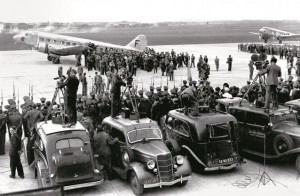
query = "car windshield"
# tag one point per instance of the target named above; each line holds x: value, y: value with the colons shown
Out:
x: 69, y: 143
x: 144, y: 134
x: 281, y: 116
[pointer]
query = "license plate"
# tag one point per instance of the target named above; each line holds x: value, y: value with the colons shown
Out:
x: 225, y: 160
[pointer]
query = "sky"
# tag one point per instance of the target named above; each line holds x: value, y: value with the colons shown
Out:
x: 146, y: 10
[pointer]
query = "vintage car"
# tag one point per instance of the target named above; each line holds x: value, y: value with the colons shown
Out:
x: 224, y: 103
x: 64, y: 156
x: 142, y: 157
x: 208, y: 139
x: 270, y: 134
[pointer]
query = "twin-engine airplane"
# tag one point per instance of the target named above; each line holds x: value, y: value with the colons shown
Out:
x: 267, y: 33
x: 55, y: 45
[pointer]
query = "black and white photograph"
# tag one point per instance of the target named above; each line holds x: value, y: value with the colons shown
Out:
x: 160, y: 97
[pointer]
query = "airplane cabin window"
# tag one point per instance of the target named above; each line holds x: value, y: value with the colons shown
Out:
x: 62, y: 42
x: 42, y: 39
x: 74, y: 44
x: 48, y: 40
x: 54, y: 41
x: 68, y: 43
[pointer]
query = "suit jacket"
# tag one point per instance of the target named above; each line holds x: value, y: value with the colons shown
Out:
x: 273, y: 72
x: 15, y: 145
x: 72, y: 86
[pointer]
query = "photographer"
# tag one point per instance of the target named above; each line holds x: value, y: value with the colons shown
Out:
x: 116, y: 93
x: 70, y: 95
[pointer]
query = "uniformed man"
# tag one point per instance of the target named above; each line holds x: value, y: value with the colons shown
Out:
x: 184, y: 85
x: 156, y: 112
x: 84, y: 85
x: 33, y: 117
x: 104, y: 109
x: 116, y: 93
x: 14, y: 154
x: 229, y: 62
x: 170, y: 69
x: 15, y: 119
x: 98, y: 83
x: 103, y: 143
x: 3, y: 121
x: 144, y: 105
x: 70, y: 95
x: 217, y: 63
x: 189, y: 98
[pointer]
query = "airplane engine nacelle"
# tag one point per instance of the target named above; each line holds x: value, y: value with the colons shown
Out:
x: 43, y: 47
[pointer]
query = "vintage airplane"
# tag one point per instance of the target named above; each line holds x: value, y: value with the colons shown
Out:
x: 55, y: 45
x: 267, y: 33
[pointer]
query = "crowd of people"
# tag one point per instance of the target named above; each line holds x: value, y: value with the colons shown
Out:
x: 103, y: 100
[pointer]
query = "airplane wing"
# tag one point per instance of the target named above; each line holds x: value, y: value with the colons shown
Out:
x: 290, y: 37
x: 255, y: 33
x: 67, y: 50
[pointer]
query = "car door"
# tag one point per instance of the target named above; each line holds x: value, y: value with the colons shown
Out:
x: 240, y: 117
x: 255, y: 129
x: 116, y: 148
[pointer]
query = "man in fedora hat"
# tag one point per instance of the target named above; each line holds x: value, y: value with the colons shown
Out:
x: 273, y: 71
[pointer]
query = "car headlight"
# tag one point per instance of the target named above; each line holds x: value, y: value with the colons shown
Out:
x: 151, y: 164
x: 179, y: 159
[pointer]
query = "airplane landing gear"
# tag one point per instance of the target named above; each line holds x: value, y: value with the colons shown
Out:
x: 49, y: 58
x: 55, y: 60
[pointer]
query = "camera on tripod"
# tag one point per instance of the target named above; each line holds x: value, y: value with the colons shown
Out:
x: 129, y: 81
x: 259, y: 61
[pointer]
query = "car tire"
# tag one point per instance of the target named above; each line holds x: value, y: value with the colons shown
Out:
x: 173, y: 146
x: 298, y: 164
x: 282, y: 143
x: 136, y: 187
x: 127, y: 153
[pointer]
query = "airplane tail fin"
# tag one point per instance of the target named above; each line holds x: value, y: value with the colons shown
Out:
x: 140, y: 43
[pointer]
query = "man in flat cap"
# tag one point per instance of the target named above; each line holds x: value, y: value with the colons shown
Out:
x: 70, y: 96
x: 273, y: 71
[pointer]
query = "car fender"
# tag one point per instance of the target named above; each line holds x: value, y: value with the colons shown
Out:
x: 142, y: 173
x: 184, y: 169
x: 194, y: 155
x: 43, y: 172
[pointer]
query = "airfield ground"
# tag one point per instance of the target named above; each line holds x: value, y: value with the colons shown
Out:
x: 24, y: 66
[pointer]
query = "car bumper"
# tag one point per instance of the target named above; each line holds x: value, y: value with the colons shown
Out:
x: 160, y: 184
x: 228, y: 167
x: 83, y: 185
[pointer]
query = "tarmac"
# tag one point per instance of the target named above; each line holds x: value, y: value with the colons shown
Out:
x: 25, y: 67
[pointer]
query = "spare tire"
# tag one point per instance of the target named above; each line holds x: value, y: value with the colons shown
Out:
x: 173, y: 146
x: 282, y: 143
x: 126, y: 156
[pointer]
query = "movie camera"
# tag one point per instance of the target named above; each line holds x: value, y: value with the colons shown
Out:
x: 259, y: 61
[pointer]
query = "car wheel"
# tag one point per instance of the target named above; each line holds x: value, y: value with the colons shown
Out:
x: 173, y: 146
x: 135, y: 185
x: 127, y: 156
x: 298, y: 164
x: 282, y: 143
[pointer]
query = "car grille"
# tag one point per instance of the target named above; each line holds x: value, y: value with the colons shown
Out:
x: 165, y: 168
x: 222, y: 149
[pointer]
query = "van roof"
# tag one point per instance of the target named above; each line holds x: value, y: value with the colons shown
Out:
x: 50, y: 128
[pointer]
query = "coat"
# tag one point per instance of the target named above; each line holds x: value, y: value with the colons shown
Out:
x: 273, y: 72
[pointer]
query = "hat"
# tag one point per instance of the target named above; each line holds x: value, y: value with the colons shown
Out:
x: 273, y: 59
x: 140, y: 92
x: 158, y: 88
x: 7, y: 107
x: 48, y: 103
x: 25, y: 98
x: 12, y: 106
x: 165, y: 88
x: 43, y: 99
x: 184, y: 81
x: 151, y: 88
x: 11, y: 102
x: 172, y: 91
x: 38, y: 104
x: 193, y: 82
x: 148, y: 94
x: 104, y: 99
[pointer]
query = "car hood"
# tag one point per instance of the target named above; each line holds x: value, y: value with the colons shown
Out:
x: 152, y: 148
x: 288, y: 127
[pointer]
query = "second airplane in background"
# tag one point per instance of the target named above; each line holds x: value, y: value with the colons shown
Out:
x: 55, y: 45
x: 267, y: 33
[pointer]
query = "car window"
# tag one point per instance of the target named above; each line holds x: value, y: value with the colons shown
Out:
x: 138, y: 135
x: 256, y: 119
x: 238, y: 114
x: 69, y: 143
x: 119, y: 134
x: 181, y: 127
x: 219, y: 131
